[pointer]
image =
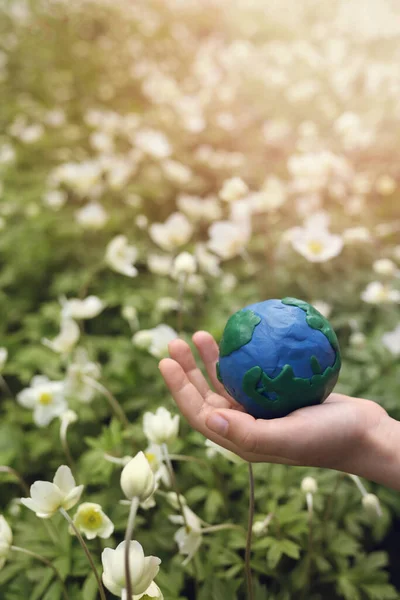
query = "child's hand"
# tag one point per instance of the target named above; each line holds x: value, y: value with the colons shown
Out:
x: 343, y: 433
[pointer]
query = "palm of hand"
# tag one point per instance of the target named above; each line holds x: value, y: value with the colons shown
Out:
x: 330, y: 435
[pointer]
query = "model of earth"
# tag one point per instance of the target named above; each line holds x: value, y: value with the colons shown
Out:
x: 277, y: 356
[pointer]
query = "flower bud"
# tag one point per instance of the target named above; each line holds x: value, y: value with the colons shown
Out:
x: 309, y: 485
x: 184, y: 264
x: 384, y: 266
x: 372, y: 505
x: 357, y: 339
x: 160, y: 427
x: 137, y: 478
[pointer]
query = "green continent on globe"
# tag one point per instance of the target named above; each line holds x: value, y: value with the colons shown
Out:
x: 285, y: 392
x: 315, y: 320
x: 238, y: 331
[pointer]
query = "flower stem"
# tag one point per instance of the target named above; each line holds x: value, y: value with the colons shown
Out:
x: 128, y: 538
x: 221, y: 527
x: 86, y: 551
x: 113, y: 402
x: 14, y: 473
x: 65, y: 445
x: 250, y: 590
x: 45, y: 562
x: 181, y: 291
x: 184, y: 458
x: 359, y: 484
x: 173, y: 482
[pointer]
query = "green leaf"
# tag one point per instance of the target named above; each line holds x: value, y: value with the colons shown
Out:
x: 380, y: 591
x: 290, y: 549
x: 39, y: 589
x: 347, y: 589
x: 90, y: 589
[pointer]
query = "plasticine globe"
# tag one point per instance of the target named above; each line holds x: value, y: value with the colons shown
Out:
x: 277, y: 356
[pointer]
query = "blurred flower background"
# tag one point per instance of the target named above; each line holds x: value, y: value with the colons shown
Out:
x: 163, y: 163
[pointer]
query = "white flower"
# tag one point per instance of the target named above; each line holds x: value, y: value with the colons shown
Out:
x: 391, y: 341
x: 196, y: 284
x: 155, y: 340
x: 3, y: 357
x: 45, y: 397
x: 82, y: 177
x: 152, y: 142
x: 79, y: 374
x: 272, y: 196
x: 372, y: 505
x: 228, y: 282
x: 154, y: 455
x: 200, y: 209
x: 31, y: 133
x: 102, y: 141
x: 214, y: 449
x: 153, y: 591
x: 175, y: 232
x: 67, y: 418
x: 233, y: 189
x: 314, y: 241
x: 7, y: 154
x: 143, y: 569
x: 5, y: 540
x: 176, y: 172
x: 159, y: 264
x: 74, y: 308
x: 357, y: 339
x: 385, y: 266
x: 378, y: 293
x: 261, y: 527
x: 55, y: 117
x: 167, y: 304
x: 92, y: 216
x: 121, y: 257
x: 141, y: 222
x: 137, y: 478
x: 92, y: 521
x: 189, y: 536
x: 309, y: 485
x: 65, y: 341
x: 184, y: 264
x: 385, y: 185
x: 323, y: 307
x: 55, y: 199
x: 209, y: 263
x: 160, y: 427
x: 46, y: 498
x: 228, y: 239
x: 354, y: 235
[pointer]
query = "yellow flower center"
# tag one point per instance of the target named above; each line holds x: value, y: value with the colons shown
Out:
x: 383, y: 295
x: 90, y: 518
x: 45, y: 398
x: 315, y: 247
x: 150, y: 457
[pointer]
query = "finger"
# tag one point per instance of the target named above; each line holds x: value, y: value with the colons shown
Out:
x: 275, y: 437
x: 180, y: 352
x: 194, y: 408
x: 209, y: 353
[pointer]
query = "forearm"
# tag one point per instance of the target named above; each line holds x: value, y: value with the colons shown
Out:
x: 379, y: 458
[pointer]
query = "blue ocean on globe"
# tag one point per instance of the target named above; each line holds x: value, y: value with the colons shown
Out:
x: 282, y: 337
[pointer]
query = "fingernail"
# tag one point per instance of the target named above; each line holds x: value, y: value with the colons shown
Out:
x: 217, y: 424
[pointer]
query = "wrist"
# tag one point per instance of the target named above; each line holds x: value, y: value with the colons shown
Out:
x: 379, y: 456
